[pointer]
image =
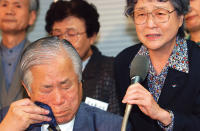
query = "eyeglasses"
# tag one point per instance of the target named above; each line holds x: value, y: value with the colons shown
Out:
x: 71, y: 34
x: 159, y: 15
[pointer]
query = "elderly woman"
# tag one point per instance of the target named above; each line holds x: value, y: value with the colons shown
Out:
x: 169, y: 97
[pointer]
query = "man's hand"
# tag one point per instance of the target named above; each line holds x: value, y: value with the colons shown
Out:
x: 22, y: 114
x: 137, y: 94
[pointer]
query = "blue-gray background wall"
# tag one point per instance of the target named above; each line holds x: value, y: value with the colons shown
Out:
x: 116, y: 33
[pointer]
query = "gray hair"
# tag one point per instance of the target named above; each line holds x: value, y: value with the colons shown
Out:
x: 34, y: 5
x: 43, y: 51
x: 181, y: 7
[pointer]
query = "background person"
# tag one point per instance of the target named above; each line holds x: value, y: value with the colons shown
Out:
x: 51, y: 74
x: 192, y: 20
x: 77, y: 22
x: 15, y: 18
x: 169, y: 98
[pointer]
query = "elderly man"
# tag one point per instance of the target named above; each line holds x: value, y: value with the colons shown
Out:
x: 15, y: 18
x: 51, y: 74
x: 193, y: 21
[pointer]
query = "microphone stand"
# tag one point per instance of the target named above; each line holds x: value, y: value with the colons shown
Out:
x: 134, y: 79
x: 126, y: 116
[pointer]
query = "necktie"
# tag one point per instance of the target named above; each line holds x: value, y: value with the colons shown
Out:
x: 51, y: 128
x: 53, y: 124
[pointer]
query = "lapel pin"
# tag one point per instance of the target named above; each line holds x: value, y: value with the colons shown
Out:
x: 174, y: 85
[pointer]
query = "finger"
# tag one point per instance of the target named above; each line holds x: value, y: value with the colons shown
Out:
x: 135, y: 93
x: 35, y: 121
x: 36, y: 117
x: 22, y: 102
x: 138, y: 102
x: 33, y: 109
x: 31, y: 119
x: 136, y: 87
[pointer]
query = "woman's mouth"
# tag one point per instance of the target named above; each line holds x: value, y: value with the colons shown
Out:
x: 153, y: 36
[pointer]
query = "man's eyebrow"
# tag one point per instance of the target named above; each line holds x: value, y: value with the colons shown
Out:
x: 64, y: 81
x: 55, y: 29
x: 17, y: 2
x: 47, y: 86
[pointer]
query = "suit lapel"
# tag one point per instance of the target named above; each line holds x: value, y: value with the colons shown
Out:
x: 16, y: 86
x: 16, y: 79
x: 38, y: 128
x: 90, y: 74
x: 2, y: 84
x: 83, y: 121
x: 174, y: 83
x: 16, y: 91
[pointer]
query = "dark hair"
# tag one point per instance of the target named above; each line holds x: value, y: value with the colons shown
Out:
x: 34, y: 5
x: 181, y: 7
x: 60, y: 10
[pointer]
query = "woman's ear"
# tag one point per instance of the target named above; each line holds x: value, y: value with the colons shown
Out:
x: 181, y: 20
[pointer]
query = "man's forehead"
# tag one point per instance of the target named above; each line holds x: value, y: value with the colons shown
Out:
x: 16, y: 1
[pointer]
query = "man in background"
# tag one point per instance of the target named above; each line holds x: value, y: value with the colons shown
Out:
x: 193, y: 21
x: 15, y: 18
x: 77, y: 21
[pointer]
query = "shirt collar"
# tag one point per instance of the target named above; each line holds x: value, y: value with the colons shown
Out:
x: 85, y: 62
x: 178, y: 60
x: 64, y: 127
x: 188, y: 37
x: 16, y: 48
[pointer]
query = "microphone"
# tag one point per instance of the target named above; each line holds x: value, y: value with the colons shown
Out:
x: 138, y: 72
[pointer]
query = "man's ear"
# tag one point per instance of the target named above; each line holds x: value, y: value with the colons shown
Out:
x: 27, y: 90
x: 80, y: 90
x: 32, y: 17
x: 93, y: 39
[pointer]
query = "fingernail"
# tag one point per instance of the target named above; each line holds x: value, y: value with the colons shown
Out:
x: 48, y: 119
x: 47, y: 111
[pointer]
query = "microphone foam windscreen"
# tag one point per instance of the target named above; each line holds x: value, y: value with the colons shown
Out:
x: 139, y: 66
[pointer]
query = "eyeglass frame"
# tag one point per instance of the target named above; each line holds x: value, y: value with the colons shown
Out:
x: 66, y: 33
x: 169, y: 12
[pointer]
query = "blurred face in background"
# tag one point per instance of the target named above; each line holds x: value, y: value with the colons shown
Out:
x: 15, y: 15
x: 193, y: 17
x: 158, y: 30
x: 73, y: 29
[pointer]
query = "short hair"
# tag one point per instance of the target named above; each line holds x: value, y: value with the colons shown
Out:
x: 34, y: 5
x: 42, y: 52
x: 181, y: 7
x: 81, y: 9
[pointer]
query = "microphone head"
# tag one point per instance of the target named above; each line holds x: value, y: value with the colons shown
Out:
x: 139, y: 67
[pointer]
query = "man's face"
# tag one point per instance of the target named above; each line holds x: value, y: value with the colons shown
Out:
x: 57, y: 85
x: 15, y: 15
x: 81, y: 42
x: 193, y: 17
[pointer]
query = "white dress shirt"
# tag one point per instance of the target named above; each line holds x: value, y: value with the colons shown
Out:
x: 84, y: 63
x: 64, y: 127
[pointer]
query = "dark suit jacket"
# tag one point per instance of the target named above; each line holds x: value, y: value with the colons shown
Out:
x: 89, y: 119
x: 16, y: 90
x: 98, y: 80
x: 181, y: 92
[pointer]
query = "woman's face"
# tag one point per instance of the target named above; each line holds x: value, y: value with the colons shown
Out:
x: 154, y: 35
